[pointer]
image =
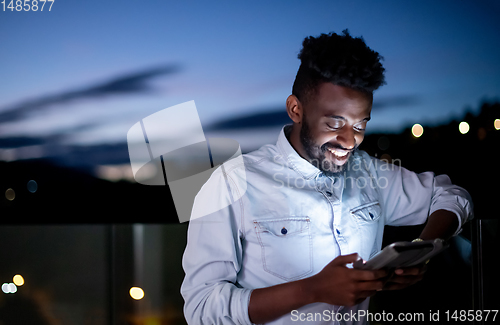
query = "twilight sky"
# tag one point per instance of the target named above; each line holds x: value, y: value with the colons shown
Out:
x: 85, y: 72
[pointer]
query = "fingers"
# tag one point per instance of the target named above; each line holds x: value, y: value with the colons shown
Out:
x: 403, y: 278
x: 411, y: 270
x: 408, y: 279
x: 369, y: 275
x: 371, y: 286
x: 345, y: 259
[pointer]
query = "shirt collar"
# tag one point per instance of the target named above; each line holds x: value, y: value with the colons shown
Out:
x: 303, y: 167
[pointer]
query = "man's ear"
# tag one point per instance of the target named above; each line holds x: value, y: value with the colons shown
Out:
x: 294, y: 109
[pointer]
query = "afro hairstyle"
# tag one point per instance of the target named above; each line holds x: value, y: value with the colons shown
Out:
x: 339, y: 59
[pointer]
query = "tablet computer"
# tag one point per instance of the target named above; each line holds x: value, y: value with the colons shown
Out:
x: 402, y: 254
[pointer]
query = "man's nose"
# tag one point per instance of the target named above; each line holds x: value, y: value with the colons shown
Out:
x: 345, y: 137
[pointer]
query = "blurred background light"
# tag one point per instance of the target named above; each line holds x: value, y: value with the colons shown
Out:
x: 386, y: 157
x: 10, y: 194
x: 9, y: 288
x: 119, y: 172
x: 481, y: 133
x: 32, y: 186
x: 153, y: 320
x: 417, y: 130
x: 463, y: 127
x: 497, y: 124
x: 18, y: 280
x: 136, y: 293
x: 383, y: 143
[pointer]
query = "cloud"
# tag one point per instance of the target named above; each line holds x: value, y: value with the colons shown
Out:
x: 274, y: 116
x: 129, y: 83
x: 61, y: 134
x: 82, y: 157
x: 395, y: 102
x: 16, y: 142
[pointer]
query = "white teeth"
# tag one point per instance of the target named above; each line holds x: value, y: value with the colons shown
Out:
x: 338, y: 153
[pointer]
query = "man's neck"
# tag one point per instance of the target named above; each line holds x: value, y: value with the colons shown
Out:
x: 292, y: 133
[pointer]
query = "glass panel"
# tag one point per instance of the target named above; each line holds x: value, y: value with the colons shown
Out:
x: 64, y: 275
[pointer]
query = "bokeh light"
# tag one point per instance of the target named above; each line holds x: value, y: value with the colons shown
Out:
x: 10, y: 194
x: 136, y: 293
x: 497, y: 124
x: 386, y: 157
x: 383, y: 143
x: 32, y: 186
x: 481, y: 133
x: 463, y: 127
x: 417, y: 130
x: 9, y: 288
x: 18, y: 280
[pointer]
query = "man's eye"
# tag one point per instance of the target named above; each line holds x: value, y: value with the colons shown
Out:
x: 360, y: 127
x: 335, y: 125
x: 334, y: 128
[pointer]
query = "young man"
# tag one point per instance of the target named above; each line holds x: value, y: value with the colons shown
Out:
x: 298, y: 213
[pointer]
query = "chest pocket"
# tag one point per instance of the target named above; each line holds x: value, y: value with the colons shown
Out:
x: 367, y: 212
x: 286, y: 246
x: 367, y: 216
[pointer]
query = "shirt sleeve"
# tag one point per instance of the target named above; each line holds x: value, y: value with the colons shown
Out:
x: 409, y: 198
x: 212, y: 259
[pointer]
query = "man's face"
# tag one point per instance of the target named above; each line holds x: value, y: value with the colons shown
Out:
x: 333, y: 126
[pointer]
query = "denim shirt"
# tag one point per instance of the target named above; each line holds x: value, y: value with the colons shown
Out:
x: 284, y: 220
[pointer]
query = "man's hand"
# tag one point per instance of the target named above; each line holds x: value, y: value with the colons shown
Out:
x: 405, y: 277
x: 337, y: 284
x: 440, y: 224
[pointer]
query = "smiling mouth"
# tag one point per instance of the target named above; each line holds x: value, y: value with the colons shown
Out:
x: 340, y: 154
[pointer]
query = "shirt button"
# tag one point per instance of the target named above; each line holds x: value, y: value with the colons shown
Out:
x: 284, y: 231
x: 328, y: 193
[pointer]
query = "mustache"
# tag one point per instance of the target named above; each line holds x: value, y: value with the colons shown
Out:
x: 327, y: 146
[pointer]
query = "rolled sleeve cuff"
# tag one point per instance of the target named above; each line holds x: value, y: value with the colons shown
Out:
x: 458, y: 209
x: 244, y: 302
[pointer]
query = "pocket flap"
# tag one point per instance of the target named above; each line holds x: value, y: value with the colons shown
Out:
x: 368, y: 212
x: 283, y: 227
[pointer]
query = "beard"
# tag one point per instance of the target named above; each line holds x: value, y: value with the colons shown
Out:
x: 316, y: 153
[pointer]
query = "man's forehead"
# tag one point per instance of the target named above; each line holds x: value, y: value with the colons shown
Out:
x: 334, y: 91
x: 338, y: 101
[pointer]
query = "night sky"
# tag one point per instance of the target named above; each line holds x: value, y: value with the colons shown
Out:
x: 83, y: 73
